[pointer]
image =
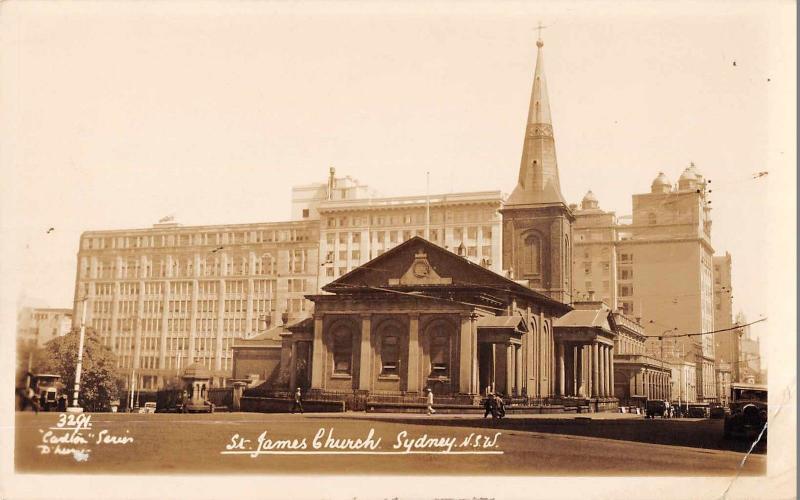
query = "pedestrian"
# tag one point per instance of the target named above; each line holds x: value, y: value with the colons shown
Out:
x: 30, y: 399
x: 500, y: 405
x: 489, y: 406
x: 430, y: 402
x: 298, y: 401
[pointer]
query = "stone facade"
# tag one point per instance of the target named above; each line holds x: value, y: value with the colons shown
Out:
x: 420, y: 317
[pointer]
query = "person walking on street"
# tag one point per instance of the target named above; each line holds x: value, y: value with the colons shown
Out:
x: 500, y: 405
x: 298, y: 401
x: 430, y: 402
x: 30, y: 399
x: 489, y: 406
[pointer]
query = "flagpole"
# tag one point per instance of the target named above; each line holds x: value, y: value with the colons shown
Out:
x: 427, y: 206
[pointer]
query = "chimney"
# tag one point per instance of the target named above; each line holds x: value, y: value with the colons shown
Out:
x: 331, y: 177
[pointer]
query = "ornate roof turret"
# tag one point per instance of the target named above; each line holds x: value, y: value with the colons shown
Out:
x: 589, y: 201
x: 660, y: 184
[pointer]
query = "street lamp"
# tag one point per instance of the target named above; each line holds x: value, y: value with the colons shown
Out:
x: 75, y: 408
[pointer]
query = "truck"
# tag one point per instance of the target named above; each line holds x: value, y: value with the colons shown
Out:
x: 748, y: 412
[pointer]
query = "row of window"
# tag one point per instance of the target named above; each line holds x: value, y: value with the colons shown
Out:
x: 418, y: 217
x: 389, y: 352
x: 165, y: 240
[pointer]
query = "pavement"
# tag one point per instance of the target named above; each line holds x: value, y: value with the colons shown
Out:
x: 591, y: 444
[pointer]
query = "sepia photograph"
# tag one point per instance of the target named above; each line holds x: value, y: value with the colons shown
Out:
x: 398, y: 249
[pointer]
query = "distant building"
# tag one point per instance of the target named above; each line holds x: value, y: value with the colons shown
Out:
x: 637, y: 376
x: 354, y: 231
x: 658, y: 268
x: 594, y: 264
x: 169, y: 296
x: 37, y: 326
x: 749, y: 361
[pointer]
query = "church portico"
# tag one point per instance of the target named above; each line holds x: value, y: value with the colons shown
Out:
x: 584, y: 341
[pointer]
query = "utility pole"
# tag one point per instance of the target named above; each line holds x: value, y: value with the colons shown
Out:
x: 75, y: 408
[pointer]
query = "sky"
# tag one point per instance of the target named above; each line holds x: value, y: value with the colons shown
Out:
x: 116, y: 114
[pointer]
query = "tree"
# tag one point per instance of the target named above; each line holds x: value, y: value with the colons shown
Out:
x: 100, y: 379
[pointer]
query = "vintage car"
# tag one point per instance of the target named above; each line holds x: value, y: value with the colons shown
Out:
x: 49, y: 387
x: 699, y: 410
x: 149, y: 407
x: 748, y: 412
x: 718, y: 411
x: 657, y: 407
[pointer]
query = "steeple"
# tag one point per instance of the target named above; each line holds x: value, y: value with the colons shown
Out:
x: 538, y: 172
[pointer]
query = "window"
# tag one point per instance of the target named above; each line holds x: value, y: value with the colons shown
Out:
x: 356, y: 238
x: 305, y: 213
x: 440, y: 354
x: 342, y: 351
x: 390, y: 355
x: 625, y: 274
x: 356, y: 255
x: 343, y: 238
x: 472, y: 233
x: 531, y: 255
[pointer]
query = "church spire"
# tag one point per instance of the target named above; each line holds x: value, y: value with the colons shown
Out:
x: 538, y: 172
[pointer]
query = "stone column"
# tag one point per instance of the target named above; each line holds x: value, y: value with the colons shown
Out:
x: 293, y: 367
x: 518, y: 366
x: 413, y: 354
x: 475, y: 387
x: 607, y: 363
x: 318, y: 355
x: 579, y: 388
x: 561, y: 374
x: 465, y: 356
x: 605, y: 371
x: 611, y: 372
x: 595, y: 369
x: 510, y: 358
x: 365, y: 359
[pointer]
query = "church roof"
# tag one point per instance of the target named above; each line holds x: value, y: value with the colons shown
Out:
x: 500, y: 322
x: 446, y: 271
x: 538, y: 181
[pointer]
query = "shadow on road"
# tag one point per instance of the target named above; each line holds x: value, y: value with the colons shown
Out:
x: 706, y: 434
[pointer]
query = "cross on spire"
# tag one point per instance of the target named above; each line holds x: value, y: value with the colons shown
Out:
x: 539, y: 28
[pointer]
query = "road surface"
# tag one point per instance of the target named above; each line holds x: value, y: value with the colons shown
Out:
x: 398, y: 444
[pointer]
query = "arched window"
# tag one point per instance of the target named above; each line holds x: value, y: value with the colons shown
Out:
x: 440, y: 354
x: 390, y: 355
x: 531, y: 255
x: 342, y: 351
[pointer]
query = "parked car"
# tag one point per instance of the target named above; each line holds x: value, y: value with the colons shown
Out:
x: 657, y: 407
x: 748, y: 412
x: 698, y: 411
x: 149, y: 407
x: 719, y: 411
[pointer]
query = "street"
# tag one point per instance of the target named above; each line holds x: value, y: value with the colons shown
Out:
x: 606, y: 444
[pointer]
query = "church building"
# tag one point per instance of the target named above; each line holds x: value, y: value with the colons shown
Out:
x: 421, y: 317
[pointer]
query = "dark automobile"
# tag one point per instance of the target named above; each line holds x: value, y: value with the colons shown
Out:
x: 656, y: 407
x: 719, y: 411
x: 748, y: 412
x: 698, y: 411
